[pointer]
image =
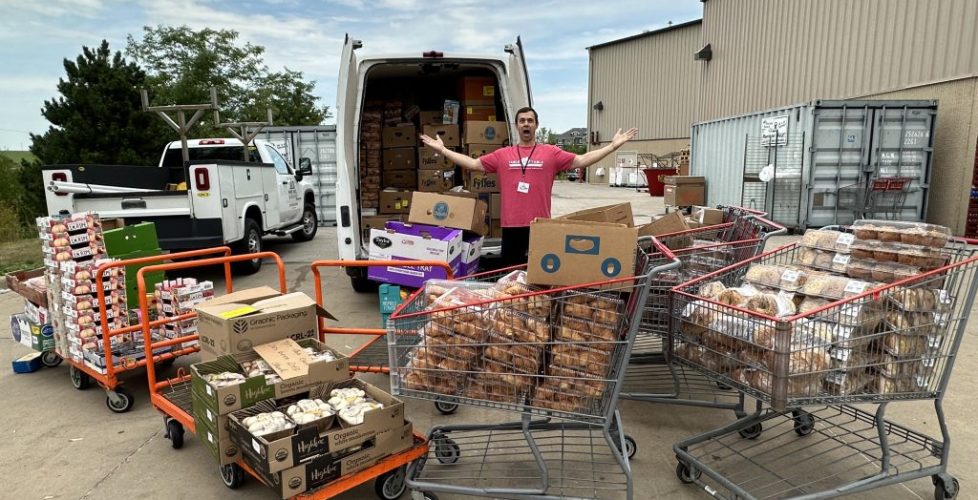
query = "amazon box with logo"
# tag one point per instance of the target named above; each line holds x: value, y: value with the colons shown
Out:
x: 569, y: 252
x: 447, y: 210
x: 400, y: 241
x: 239, y: 321
x: 448, y: 133
x: 492, y: 133
x: 620, y: 213
x: 275, y: 452
x: 286, y: 358
x: 329, y: 467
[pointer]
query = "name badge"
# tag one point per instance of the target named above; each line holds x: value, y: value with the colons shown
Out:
x: 523, y: 187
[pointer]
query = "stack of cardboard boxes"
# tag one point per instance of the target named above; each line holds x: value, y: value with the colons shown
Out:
x: 31, y: 328
x: 371, y: 122
x: 178, y: 297
x: 684, y: 191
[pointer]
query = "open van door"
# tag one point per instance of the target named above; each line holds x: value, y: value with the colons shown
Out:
x: 518, y: 80
x: 347, y: 105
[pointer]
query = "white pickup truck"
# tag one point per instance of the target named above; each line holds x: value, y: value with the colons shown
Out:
x: 217, y: 198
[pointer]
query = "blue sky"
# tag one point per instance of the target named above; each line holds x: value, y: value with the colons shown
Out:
x: 36, y: 36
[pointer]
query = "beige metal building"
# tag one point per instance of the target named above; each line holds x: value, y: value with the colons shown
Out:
x: 770, y: 53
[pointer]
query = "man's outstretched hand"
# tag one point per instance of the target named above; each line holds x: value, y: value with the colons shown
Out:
x: 434, y: 143
x: 621, y: 138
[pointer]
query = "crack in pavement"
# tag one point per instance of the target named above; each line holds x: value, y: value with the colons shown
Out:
x: 88, y: 494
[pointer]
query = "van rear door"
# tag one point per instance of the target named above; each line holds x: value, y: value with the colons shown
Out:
x: 517, y: 80
x: 347, y: 183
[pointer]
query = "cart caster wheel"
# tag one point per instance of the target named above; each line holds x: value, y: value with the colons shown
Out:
x: 79, y: 379
x: 120, y: 402
x: 174, y: 431
x: 50, y: 359
x: 685, y: 474
x: 446, y: 408
x: 391, y: 485
x: 943, y: 490
x: 232, y: 475
x: 630, y: 447
x: 804, y: 422
x: 752, y: 432
x: 447, y: 451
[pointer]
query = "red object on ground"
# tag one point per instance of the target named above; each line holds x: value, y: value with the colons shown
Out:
x: 654, y: 178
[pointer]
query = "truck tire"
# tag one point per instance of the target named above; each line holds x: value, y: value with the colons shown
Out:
x: 363, y: 285
x: 251, y: 243
x: 310, y: 224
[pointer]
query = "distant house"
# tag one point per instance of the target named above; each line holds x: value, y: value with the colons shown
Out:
x: 572, y: 137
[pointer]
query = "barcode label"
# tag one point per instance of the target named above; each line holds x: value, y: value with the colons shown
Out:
x: 790, y: 276
x: 841, y: 259
x: 855, y: 286
x: 845, y: 239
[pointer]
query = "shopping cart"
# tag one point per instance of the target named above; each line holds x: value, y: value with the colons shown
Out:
x: 117, y: 398
x: 502, y: 353
x: 173, y: 398
x: 892, y: 343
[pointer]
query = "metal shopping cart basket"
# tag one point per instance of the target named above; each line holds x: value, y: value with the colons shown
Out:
x: 865, y: 344
x: 554, y: 356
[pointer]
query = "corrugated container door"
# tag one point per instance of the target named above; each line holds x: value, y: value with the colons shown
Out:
x: 320, y: 147
x: 903, y: 140
x: 839, y: 158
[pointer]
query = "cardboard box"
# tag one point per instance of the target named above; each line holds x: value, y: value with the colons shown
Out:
x: 16, y: 281
x: 477, y: 90
x: 406, y: 179
x: 395, y: 202
x: 217, y: 439
x: 620, y: 213
x: 429, y: 159
x: 677, y: 180
x: 431, y: 117
x: 495, y: 206
x: 400, y: 241
x: 368, y: 222
x: 684, y: 195
x: 457, y: 212
x: 477, y: 150
x: 273, y: 454
x: 707, y: 216
x: 239, y: 321
x: 449, y: 134
x: 282, y: 357
x: 481, y: 182
x: 436, y: 181
x: 471, y: 252
x: 670, y: 223
x: 486, y: 132
x: 400, y: 136
x: 480, y: 113
x: 400, y: 159
x: 569, y: 252
x: 495, y: 229
x: 325, y: 469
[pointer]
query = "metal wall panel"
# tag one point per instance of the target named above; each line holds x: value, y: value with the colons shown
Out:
x: 318, y: 143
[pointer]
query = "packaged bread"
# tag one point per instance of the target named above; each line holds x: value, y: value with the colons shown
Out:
x: 898, y: 344
x: 696, y: 319
x: 588, y: 359
x: 594, y: 306
x: 486, y: 388
x: 847, y: 383
x: 573, y: 329
x: 520, y: 327
x: 852, y: 358
x: 784, y: 278
x: 909, y: 233
x: 900, y: 366
x: 825, y: 239
x: 711, y: 289
x: 893, y: 385
x: 918, y: 299
x: 518, y: 373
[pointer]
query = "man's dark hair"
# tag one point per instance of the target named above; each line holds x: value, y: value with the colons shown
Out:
x: 527, y: 109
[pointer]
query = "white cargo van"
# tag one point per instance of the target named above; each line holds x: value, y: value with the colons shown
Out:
x: 422, y: 79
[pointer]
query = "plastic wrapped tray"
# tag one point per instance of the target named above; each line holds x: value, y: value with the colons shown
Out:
x: 912, y: 233
x: 825, y: 239
x: 781, y: 277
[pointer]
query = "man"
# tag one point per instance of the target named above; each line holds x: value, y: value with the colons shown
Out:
x: 526, y: 175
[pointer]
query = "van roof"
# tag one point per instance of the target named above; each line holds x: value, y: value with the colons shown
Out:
x: 416, y: 57
x: 211, y: 142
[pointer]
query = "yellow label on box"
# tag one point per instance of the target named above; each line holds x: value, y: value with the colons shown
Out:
x: 488, y: 90
x: 239, y: 311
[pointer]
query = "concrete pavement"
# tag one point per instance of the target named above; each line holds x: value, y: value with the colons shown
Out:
x: 59, y: 443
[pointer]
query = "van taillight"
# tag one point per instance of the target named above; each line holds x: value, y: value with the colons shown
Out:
x: 202, y: 179
x: 60, y: 177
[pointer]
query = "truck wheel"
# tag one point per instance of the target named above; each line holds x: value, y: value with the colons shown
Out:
x: 363, y: 285
x: 251, y: 243
x: 310, y: 224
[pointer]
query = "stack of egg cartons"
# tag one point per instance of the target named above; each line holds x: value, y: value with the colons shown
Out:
x: 178, y: 297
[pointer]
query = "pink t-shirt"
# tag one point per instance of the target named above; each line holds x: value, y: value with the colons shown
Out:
x: 526, y: 180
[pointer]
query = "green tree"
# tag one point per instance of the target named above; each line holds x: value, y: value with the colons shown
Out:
x: 98, y: 117
x: 184, y: 65
x: 546, y: 135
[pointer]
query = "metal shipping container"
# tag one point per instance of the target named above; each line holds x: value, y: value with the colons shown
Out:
x: 318, y: 143
x: 824, y: 162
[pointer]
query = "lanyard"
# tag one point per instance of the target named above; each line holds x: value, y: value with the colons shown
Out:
x: 523, y: 163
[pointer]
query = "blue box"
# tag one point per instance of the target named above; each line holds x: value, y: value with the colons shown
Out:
x: 27, y: 363
x: 390, y: 298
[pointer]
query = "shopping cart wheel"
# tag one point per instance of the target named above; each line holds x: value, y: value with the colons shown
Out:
x: 944, y: 489
x: 50, y: 359
x: 686, y: 474
x: 446, y: 408
x: 119, y: 400
x: 391, y: 485
x: 79, y: 379
x: 232, y: 475
x: 804, y: 422
x: 447, y: 450
x: 630, y: 446
x: 752, y: 432
x: 174, y: 431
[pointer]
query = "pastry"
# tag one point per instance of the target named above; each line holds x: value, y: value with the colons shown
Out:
x: 866, y: 232
x: 905, y: 345
x: 712, y: 289
x: 807, y: 256
x: 730, y: 297
x: 882, y: 273
x: 889, y: 234
x: 913, y: 236
x: 824, y: 260
x: 763, y: 303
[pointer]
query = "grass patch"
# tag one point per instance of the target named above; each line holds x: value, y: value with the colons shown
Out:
x: 16, y: 156
x: 20, y: 254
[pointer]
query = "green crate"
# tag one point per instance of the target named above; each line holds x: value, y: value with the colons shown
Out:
x: 130, y: 239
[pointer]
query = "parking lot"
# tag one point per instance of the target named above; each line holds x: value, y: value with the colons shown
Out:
x: 61, y: 443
